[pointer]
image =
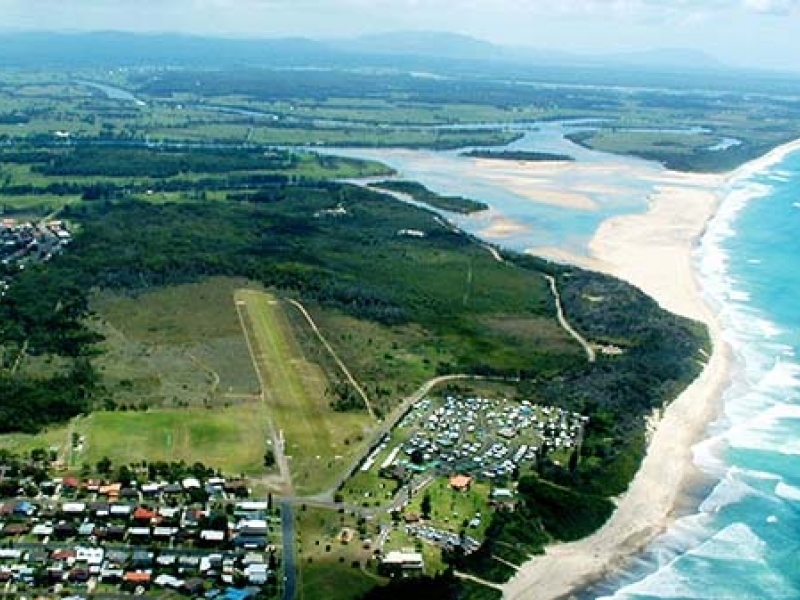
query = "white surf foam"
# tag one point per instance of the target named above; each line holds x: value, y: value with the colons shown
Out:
x: 768, y: 431
x: 737, y: 542
x: 728, y: 491
x: 696, y: 574
x: 787, y: 492
x: 756, y: 416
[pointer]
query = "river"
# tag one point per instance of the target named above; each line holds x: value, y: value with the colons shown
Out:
x: 533, y: 206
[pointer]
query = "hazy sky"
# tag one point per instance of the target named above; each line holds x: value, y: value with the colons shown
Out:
x: 745, y: 32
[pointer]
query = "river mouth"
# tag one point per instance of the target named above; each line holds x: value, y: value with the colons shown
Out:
x: 534, y: 206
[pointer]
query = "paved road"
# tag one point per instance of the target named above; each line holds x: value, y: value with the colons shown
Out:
x: 289, y: 566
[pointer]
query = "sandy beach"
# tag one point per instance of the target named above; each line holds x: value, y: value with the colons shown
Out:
x: 654, y: 252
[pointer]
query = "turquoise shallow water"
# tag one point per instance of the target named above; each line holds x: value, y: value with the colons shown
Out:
x: 744, y: 539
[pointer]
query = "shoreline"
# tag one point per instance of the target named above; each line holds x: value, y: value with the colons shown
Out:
x: 628, y: 247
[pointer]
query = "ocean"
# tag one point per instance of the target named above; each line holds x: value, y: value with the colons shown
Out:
x: 743, y: 541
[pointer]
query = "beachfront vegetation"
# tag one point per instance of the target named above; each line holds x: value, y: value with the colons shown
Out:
x: 696, y: 151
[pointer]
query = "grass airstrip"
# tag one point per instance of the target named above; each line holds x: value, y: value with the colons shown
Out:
x: 318, y: 440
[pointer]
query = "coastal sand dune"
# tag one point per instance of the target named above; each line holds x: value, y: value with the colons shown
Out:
x: 654, y: 252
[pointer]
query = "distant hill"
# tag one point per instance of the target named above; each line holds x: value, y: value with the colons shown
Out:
x: 119, y: 48
x: 437, y: 44
x: 435, y: 52
x: 124, y: 49
x: 422, y: 43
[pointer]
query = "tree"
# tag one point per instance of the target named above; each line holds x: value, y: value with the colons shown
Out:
x: 103, y: 466
x: 124, y: 476
x: 425, y: 506
x: 573, y: 460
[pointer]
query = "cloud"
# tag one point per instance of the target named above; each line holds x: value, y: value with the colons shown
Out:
x: 771, y: 7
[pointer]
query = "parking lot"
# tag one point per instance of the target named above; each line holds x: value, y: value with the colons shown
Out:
x: 486, y: 438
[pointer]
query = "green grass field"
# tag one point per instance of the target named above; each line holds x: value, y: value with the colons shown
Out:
x: 450, y: 508
x: 319, y: 441
x: 22, y: 443
x: 333, y: 580
x: 232, y: 439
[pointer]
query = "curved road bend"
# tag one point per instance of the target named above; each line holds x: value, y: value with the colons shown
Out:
x: 391, y: 421
x: 289, y: 565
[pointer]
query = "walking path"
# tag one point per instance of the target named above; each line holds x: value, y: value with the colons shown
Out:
x: 590, y: 353
x: 478, y: 580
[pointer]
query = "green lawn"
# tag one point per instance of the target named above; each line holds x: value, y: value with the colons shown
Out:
x: 334, y: 581
x: 232, y: 439
x: 450, y: 508
x: 326, y: 562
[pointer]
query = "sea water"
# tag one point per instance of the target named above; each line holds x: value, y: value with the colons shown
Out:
x: 743, y: 541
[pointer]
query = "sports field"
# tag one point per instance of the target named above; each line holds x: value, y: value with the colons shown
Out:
x: 232, y: 439
x: 319, y: 442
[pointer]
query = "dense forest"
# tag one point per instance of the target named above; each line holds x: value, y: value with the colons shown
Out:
x: 340, y: 246
x: 160, y: 162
